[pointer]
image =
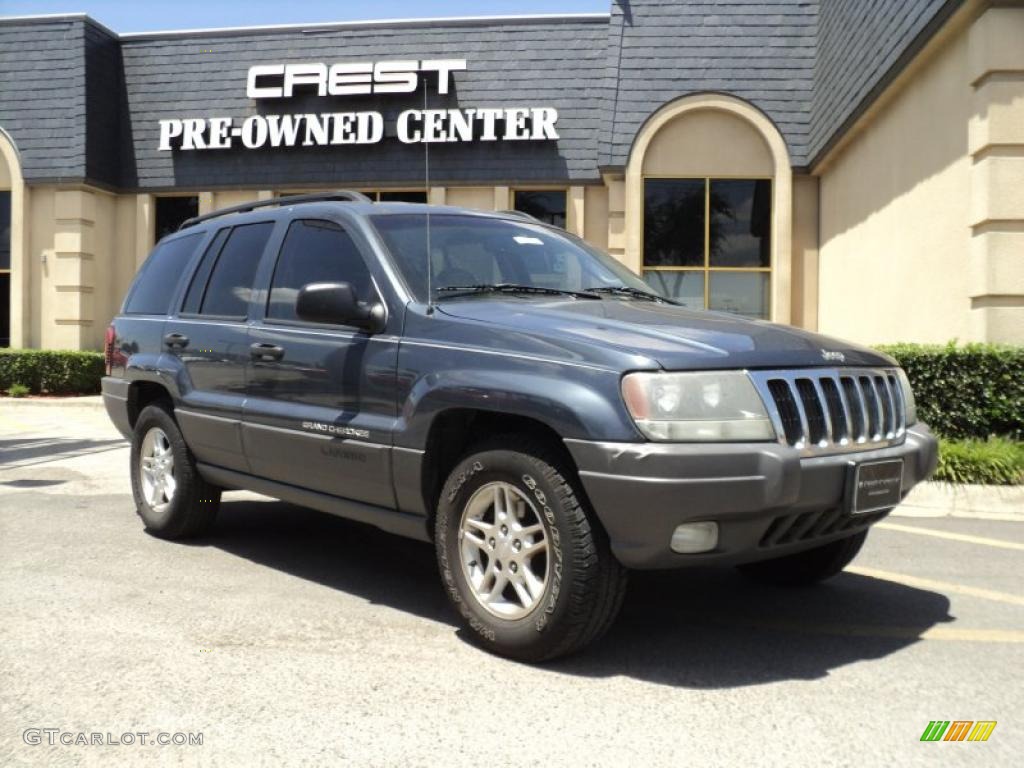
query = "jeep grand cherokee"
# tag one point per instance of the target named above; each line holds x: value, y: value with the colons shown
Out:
x: 502, y: 389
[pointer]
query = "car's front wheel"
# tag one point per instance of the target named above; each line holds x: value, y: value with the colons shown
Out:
x: 525, y: 564
x: 808, y: 567
x: 171, y: 497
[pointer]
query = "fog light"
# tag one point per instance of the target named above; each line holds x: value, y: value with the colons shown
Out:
x: 691, y: 538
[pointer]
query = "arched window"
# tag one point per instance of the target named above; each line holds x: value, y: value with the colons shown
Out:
x: 708, y: 185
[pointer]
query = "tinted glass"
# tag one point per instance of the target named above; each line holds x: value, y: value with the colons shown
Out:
x: 172, y: 211
x: 5, y: 230
x: 740, y: 233
x: 158, y: 280
x: 674, y: 223
x: 547, y: 205
x: 315, y: 252
x: 406, y: 196
x: 5, y: 310
x: 475, y: 250
x: 230, y: 285
x: 194, y: 297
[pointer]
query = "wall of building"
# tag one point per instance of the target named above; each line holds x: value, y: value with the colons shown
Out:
x: 996, y: 145
x: 83, y: 246
x: 921, y: 214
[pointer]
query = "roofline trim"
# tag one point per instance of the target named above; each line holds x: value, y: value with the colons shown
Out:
x: 312, y: 27
x: 539, y: 18
x: 45, y: 18
x: 77, y: 16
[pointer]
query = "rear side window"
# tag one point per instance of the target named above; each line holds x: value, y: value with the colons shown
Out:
x: 315, y: 251
x: 229, y: 288
x: 156, y: 284
x: 196, y: 289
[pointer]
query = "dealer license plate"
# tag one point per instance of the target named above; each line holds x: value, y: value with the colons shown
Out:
x: 874, y: 485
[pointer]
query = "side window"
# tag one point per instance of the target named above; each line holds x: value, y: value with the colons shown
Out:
x: 196, y: 289
x: 229, y: 288
x: 315, y: 251
x: 156, y: 283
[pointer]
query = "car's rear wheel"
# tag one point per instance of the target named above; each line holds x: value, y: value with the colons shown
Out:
x: 525, y: 564
x: 171, y: 497
x: 808, y: 567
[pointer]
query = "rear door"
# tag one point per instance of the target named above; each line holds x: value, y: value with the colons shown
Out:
x: 209, y: 336
x: 321, y: 403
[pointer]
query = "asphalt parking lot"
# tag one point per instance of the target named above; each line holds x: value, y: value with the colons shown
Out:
x: 291, y: 637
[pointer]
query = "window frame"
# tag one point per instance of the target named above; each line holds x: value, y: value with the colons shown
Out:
x: 264, y: 318
x: 706, y: 268
x: 211, y: 234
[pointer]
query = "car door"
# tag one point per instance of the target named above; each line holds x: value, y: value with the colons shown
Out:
x: 209, y: 336
x: 321, y: 403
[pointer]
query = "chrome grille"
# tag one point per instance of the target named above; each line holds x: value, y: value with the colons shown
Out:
x: 833, y: 410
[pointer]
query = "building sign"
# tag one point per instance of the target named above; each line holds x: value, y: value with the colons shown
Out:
x: 413, y: 126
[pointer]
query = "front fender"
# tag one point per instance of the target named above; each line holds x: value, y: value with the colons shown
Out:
x: 581, y: 403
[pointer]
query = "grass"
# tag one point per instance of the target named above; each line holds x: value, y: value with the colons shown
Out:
x: 996, y: 461
x: 18, y: 390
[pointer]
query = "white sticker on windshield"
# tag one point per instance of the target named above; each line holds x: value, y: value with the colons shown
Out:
x: 526, y: 240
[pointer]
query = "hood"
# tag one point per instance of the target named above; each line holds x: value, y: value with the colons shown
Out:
x: 675, y: 337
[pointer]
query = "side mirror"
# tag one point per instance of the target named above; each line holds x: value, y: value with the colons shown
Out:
x: 337, y: 304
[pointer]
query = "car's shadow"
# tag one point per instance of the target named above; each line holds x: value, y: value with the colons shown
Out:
x: 18, y: 453
x: 706, y: 628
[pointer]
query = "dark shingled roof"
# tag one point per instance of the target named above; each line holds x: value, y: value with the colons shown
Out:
x: 83, y: 104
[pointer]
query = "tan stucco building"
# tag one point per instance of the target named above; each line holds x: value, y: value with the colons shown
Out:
x: 845, y: 170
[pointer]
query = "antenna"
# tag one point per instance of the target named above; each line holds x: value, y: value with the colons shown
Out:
x: 426, y: 175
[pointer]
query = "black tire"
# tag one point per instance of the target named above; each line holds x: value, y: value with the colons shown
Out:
x: 194, y: 502
x: 585, y: 584
x: 808, y: 567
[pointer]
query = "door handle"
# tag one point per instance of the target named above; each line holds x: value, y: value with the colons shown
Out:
x: 266, y: 352
x: 176, y: 340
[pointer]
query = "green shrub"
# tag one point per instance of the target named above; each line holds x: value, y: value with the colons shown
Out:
x: 17, y: 390
x: 970, y: 391
x: 54, y: 372
x: 988, y: 462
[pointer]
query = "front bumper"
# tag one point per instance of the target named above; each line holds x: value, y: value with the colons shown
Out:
x: 767, y: 500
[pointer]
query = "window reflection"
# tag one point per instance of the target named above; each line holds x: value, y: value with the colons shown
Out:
x: 548, y: 206
x: 674, y: 223
x: 714, y: 233
x: 685, y: 286
x: 743, y: 293
x: 740, y: 231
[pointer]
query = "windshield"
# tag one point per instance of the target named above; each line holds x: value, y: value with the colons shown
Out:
x: 468, y: 251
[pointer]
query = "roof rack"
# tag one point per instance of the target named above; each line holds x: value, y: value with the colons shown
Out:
x: 521, y: 215
x: 346, y: 195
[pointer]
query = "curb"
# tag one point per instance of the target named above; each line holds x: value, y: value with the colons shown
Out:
x: 89, y: 401
x: 982, y: 502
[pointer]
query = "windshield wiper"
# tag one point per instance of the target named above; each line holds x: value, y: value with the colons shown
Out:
x: 466, y: 290
x: 625, y: 290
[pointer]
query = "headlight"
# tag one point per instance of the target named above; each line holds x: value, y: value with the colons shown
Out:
x: 908, y: 397
x: 696, y: 407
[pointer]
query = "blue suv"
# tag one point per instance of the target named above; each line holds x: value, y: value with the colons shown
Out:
x: 503, y: 389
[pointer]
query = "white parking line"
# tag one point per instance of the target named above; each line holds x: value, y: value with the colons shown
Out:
x: 1002, y: 544
x: 940, y: 586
